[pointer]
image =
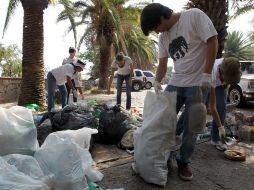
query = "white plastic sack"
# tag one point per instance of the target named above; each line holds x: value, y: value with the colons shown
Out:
x: 29, y: 166
x: 81, y: 136
x: 18, y: 134
x: 11, y: 178
x: 154, y: 140
x: 70, y: 163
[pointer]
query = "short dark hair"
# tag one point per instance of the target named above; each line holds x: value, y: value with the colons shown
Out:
x: 151, y: 16
x: 72, y: 50
x: 119, y: 56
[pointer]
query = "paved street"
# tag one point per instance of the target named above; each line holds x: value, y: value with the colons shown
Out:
x: 211, y: 170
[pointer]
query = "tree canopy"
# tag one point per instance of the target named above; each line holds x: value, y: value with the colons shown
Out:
x: 10, y: 61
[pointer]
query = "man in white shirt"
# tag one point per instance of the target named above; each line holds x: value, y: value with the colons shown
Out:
x: 225, y: 71
x: 124, y: 67
x: 58, y: 77
x: 75, y: 81
x: 190, y: 39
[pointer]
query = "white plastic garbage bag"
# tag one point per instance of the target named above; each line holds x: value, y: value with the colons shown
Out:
x: 18, y: 134
x: 29, y: 166
x: 81, y: 136
x: 11, y: 178
x: 154, y: 140
x: 71, y: 164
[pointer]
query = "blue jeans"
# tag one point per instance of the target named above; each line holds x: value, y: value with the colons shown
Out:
x: 180, y: 123
x: 51, y: 92
x: 185, y: 96
x: 120, y: 79
x: 221, y: 102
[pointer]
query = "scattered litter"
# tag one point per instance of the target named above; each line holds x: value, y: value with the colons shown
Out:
x: 32, y: 106
x: 234, y: 155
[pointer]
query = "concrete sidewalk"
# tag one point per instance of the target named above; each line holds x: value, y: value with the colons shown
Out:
x: 210, y: 169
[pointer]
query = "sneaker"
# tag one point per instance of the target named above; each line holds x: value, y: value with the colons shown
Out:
x: 184, y: 172
x: 219, y: 146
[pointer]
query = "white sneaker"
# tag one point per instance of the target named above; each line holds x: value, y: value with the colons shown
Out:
x: 219, y: 146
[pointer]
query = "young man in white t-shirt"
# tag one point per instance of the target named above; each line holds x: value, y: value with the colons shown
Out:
x: 124, y: 67
x: 225, y: 71
x: 58, y: 77
x: 190, y: 39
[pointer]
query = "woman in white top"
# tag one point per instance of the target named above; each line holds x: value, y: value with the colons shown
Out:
x: 58, y: 77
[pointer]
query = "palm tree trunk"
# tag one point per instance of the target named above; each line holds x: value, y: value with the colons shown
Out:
x: 217, y: 11
x: 104, y: 66
x: 33, y: 82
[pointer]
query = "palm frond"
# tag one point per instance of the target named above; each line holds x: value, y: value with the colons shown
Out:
x: 13, y: 4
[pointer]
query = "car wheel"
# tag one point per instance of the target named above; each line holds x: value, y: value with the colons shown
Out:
x: 148, y: 85
x: 235, y: 96
x: 136, y: 86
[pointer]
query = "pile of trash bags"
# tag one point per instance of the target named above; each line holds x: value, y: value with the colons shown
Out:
x: 112, y: 123
x: 51, y: 151
x: 62, y: 162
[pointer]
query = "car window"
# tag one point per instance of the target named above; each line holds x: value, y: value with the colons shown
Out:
x: 147, y: 74
x: 138, y: 73
x: 247, y: 67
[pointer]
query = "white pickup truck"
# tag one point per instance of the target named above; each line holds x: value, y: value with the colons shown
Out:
x: 243, y: 91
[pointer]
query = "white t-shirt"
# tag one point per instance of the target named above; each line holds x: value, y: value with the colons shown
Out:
x: 215, y: 73
x: 125, y: 70
x: 60, y: 73
x: 76, y: 76
x: 186, y: 44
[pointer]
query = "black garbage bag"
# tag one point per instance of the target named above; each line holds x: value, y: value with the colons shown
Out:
x: 72, y: 120
x: 43, y: 130
x: 113, y: 125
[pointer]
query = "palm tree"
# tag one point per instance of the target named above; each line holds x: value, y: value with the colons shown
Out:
x: 121, y: 33
x: 242, y: 6
x: 217, y: 11
x: 140, y: 48
x: 239, y: 46
x: 33, y: 82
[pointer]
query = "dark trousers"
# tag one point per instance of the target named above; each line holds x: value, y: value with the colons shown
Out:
x: 120, y: 79
x: 69, y: 90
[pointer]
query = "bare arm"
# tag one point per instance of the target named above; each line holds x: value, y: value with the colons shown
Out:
x: 131, y: 70
x: 68, y: 79
x: 111, y: 78
x: 80, y: 90
x: 213, y: 108
x: 162, y: 69
x: 212, y: 48
x: 131, y: 74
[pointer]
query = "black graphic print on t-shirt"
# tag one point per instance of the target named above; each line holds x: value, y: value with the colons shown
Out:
x: 177, y: 48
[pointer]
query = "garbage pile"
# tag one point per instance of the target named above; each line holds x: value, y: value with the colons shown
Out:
x: 112, y: 122
x: 61, y: 160
x: 240, y: 126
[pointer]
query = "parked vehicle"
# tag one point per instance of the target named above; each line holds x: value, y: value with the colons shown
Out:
x: 138, y: 80
x: 243, y: 91
x: 150, y: 77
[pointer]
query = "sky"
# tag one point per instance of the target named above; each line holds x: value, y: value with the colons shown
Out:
x: 57, y: 42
